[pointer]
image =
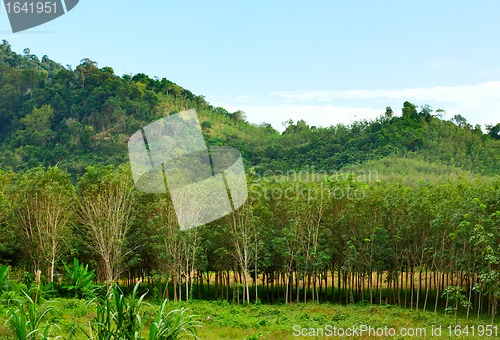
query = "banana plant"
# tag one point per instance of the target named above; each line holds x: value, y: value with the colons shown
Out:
x: 80, y: 279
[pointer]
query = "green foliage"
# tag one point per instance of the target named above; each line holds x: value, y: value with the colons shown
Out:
x: 172, y: 325
x: 80, y: 279
x: 28, y: 322
x: 4, y: 272
x: 28, y: 62
x: 42, y: 214
x: 117, y: 318
x: 273, y: 321
x: 493, y: 130
x: 6, y: 180
x: 405, y: 221
x: 486, y: 243
x: 456, y: 295
x: 83, y: 117
x: 253, y: 337
x: 408, y: 170
x: 121, y: 318
x: 39, y: 120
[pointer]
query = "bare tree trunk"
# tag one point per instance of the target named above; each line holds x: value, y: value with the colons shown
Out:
x: 437, y: 294
x: 427, y: 286
x: 174, y: 282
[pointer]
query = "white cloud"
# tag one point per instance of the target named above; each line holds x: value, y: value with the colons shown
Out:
x: 313, y: 115
x: 473, y: 93
x: 491, y: 71
x: 479, y: 103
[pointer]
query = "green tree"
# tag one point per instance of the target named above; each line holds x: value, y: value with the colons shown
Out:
x: 243, y: 233
x: 389, y: 113
x: 39, y: 120
x: 44, y: 201
x: 409, y: 110
x: 486, y: 241
x: 493, y: 130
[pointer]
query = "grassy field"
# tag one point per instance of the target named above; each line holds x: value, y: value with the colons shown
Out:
x: 222, y: 320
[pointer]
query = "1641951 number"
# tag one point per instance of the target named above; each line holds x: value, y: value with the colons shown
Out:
x: 31, y: 7
x: 479, y: 330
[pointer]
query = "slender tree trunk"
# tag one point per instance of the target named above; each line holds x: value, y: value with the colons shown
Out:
x: 470, y: 280
x: 227, y: 284
x: 174, y: 282
x: 427, y: 286
x: 297, y: 283
x: 208, y: 285
x: 419, y: 286
x: 326, y: 285
x: 234, y: 285
x: 406, y: 286
x: 346, y: 292
x: 166, y: 288
x: 389, y: 284
x: 286, y: 288
x: 480, y: 305
x: 273, y: 286
x: 370, y: 285
x: 267, y: 285
x: 256, y: 285
x: 380, y: 291
x: 333, y: 283
x: 437, y: 294
x: 339, y: 284
x: 216, y: 285
x: 52, y: 264
x: 180, y: 286
x: 412, y: 286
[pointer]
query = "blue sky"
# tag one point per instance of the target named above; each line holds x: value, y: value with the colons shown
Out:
x: 326, y: 62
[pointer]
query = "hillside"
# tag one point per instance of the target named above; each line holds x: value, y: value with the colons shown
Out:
x: 407, y: 170
x: 52, y: 115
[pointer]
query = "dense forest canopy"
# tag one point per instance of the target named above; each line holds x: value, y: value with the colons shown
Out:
x: 325, y: 239
x: 73, y: 118
x: 66, y: 191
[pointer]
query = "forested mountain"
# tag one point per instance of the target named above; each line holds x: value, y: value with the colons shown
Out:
x: 74, y: 118
x: 331, y: 238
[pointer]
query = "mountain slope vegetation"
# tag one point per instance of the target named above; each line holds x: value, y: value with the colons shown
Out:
x: 74, y: 118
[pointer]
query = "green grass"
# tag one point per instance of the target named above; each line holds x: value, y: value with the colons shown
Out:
x: 277, y: 321
x: 227, y: 321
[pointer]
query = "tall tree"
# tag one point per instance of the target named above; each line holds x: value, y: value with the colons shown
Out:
x: 105, y: 211
x: 243, y: 233
x: 44, y: 207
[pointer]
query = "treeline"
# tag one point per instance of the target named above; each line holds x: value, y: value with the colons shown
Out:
x: 54, y: 115
x: 73, y: 118
x: 299, y: 237
x: 418, y: 132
